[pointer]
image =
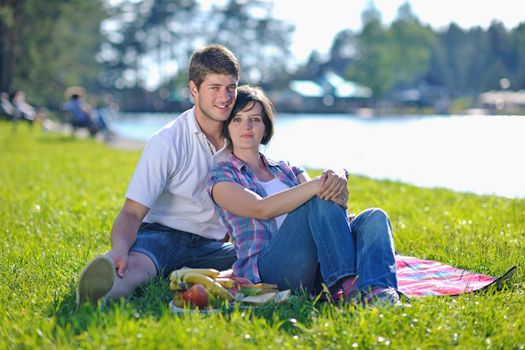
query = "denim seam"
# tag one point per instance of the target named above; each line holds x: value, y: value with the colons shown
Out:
x: 149, y: 255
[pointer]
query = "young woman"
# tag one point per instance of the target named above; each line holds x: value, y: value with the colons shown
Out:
x: 282, y: 231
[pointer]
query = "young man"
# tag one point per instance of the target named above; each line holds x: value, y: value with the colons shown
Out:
x: 167, y: 220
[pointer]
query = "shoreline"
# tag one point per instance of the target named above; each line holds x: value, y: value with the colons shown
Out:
x: 115, y: 140
x: 119, y: 142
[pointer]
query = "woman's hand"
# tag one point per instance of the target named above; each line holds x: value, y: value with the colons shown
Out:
x: 334, y: 187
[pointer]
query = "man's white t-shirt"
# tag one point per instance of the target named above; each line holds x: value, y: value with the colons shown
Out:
x: 170, y: 178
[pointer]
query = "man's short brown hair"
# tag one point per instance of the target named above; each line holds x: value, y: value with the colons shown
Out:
x: 213, y: 59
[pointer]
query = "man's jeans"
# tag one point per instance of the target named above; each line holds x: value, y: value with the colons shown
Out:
x: 171, y: 249
x: 318, y: 234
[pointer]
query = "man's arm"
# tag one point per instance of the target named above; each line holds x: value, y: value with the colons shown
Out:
x: 124, y: 233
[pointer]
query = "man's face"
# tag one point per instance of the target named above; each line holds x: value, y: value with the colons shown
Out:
x: 215, y: 97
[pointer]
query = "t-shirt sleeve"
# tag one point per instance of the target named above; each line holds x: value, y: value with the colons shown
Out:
x: 220, y: 173
x: 154, y: 168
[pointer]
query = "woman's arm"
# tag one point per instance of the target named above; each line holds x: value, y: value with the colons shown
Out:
x: 243, y: 202
x: 304, y: 177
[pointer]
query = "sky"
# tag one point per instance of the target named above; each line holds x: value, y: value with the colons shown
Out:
x: 316, y: 25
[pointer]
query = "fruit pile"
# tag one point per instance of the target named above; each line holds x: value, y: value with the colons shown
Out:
x: 203, y: 288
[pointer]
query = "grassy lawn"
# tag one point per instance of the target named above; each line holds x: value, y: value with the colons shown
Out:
x: 58, y: 199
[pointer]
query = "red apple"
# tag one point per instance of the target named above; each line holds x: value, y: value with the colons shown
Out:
x: 196, y: 295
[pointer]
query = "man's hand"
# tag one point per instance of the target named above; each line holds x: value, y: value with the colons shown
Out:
x: 120, y: 258
x: 124, y: 233
x: 334, y: 187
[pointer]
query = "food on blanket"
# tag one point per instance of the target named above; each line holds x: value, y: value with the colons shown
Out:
x: 258, y: 288
x: 177, y: 300
x: 213, y: 287
x: 258, y: 299
x: 226, y: 282
x: 177, y: 276
x: 250, y: 291
x: 262, y: 286
x: 195, y: 296
x: 276, y: 297
x: 203, y: 288
x: 281, y: 297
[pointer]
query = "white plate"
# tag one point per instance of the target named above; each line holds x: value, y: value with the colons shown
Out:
x: 179, y: 310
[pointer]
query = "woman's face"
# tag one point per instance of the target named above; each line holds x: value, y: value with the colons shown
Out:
x: 247, y: 127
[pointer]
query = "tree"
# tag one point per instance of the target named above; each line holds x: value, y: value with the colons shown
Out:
x: 396, y: 56
x: 260, y: 42
x: 47, y: 46
x: 167, y: 32
x: 145, y: 34
x: 518, y: 38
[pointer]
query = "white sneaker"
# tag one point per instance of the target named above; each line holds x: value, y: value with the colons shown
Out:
x: 385, y: 298
x: 96, y: 280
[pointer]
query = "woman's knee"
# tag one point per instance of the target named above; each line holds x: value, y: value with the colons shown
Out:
x: 377, y: 215
x: 322, y: 205
x: 371, y: 223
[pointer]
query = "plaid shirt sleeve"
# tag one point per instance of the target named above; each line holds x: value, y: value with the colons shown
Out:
x: 297, y: 170
x: 286, y: 168
x: 221, y: 173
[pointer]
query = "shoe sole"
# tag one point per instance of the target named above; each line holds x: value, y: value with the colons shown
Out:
x: 96, y: 280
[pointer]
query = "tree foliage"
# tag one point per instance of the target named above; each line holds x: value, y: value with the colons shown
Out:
x: 46, y: 46
x: 395, y: 56
x: 409, y: 54
x: 49, y: 45
x: 166, y: 32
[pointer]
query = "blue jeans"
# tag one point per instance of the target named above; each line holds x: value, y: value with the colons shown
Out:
x: 317, y: 237
x: 171, y: 249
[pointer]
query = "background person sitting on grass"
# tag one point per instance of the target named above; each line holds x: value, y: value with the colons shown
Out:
x: 79, y: 114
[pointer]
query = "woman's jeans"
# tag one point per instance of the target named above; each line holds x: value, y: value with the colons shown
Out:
x: 318, y: 235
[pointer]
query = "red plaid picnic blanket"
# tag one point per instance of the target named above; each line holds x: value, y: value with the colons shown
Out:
x: 419, y: 277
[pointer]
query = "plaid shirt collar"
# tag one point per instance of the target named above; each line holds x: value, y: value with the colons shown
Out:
x: 241, y: 166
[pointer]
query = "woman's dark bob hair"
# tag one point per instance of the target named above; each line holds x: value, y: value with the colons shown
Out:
x: 250, y: 95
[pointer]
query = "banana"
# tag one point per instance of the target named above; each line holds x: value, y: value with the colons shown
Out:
x: 177, y: 276
x: 175, y: 286
x: 226, y: 282
x: 212, y: 286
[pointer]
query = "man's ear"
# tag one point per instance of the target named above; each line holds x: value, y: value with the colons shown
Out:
x: 193, y: 88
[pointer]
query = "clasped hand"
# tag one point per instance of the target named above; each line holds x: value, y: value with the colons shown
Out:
x: 334, y: 187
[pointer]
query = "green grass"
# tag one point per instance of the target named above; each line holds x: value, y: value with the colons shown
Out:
x: 58, y: 199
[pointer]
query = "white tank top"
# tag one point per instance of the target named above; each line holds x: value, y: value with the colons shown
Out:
x: 273, y: 186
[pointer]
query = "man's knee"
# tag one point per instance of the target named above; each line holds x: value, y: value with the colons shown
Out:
x: 141, y: 264
x: 140, y: 269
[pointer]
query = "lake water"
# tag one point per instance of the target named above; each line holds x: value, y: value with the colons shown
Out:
x: 480, y: 154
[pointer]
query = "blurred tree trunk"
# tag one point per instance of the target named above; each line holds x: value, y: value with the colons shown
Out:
x: 8, y: 12
x: 48, y: 45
